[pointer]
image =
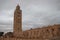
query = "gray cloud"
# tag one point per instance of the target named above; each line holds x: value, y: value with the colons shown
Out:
x: 35, y: 13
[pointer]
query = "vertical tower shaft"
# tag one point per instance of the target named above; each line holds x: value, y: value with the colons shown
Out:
x: 17, y: 21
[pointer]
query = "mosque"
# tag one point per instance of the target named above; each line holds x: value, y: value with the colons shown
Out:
x: 37, y: 33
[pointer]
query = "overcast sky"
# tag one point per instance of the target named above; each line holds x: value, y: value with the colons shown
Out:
x: 36, y: 13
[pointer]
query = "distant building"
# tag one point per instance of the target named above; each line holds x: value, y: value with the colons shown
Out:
x: 49, y: 32
x: 17, y: 21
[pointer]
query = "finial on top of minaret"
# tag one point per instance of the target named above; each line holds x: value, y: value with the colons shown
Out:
x: 18, y: 7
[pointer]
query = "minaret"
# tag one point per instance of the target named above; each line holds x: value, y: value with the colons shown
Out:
x: 17, y: 21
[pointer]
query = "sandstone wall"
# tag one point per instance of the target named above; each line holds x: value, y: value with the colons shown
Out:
x: 47, y: 32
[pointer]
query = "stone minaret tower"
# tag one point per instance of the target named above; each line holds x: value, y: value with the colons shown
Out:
x: 17, y: 21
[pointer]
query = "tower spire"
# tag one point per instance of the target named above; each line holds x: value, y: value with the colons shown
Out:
x: 18, y: 7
